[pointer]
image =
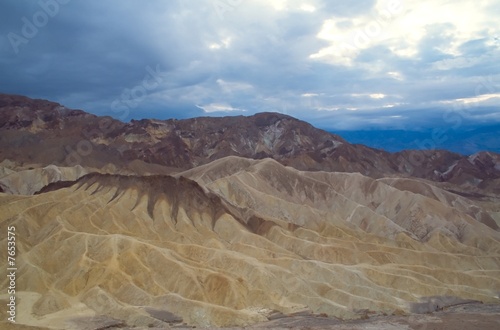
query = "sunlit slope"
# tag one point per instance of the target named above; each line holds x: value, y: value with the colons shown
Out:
x: 28, y: 182
x: 249, y: 237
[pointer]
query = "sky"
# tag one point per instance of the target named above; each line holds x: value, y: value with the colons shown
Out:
x: 368, y: 64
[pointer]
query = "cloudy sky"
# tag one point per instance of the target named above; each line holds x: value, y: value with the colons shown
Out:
x: 340, y: 65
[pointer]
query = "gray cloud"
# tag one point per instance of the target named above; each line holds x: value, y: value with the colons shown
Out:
x: 242, y: 57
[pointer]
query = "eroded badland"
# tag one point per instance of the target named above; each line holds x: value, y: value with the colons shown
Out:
x: 239, y: 239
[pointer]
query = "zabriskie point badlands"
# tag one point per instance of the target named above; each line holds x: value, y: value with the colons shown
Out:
x: 237, y: 221
x: 249, y: 164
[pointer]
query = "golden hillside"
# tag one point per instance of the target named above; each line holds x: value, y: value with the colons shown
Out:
x: 230, y: 242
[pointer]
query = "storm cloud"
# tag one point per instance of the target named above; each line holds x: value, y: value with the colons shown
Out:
x: 385, y: 64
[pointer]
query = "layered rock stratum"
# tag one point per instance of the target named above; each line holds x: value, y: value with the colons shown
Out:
x: 229, y: 242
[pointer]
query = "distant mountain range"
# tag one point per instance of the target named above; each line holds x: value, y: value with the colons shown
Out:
x: 465, y: 141
x: 45, y: 133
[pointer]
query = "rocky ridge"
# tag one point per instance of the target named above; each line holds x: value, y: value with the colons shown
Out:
x: 73, y: 137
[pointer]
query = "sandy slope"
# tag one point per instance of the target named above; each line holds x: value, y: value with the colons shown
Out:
x: 28, y: 182
x: 245, y: 238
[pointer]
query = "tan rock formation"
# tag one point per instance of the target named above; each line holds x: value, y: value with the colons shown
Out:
x: 228, y: 242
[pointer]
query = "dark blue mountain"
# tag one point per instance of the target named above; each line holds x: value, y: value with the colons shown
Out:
x: 466, y: 141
